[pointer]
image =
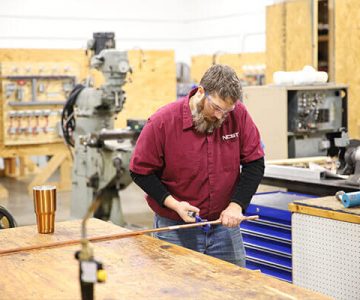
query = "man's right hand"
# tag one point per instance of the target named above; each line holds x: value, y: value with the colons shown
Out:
x: 182, y: 208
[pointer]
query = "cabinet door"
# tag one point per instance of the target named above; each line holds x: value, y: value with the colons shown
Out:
x: 300, y: 38
x: 290, y: 36
x: 275, y: 40
x: 347, y: 53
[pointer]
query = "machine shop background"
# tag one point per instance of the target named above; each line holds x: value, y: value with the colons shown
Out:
x: 298, y: 64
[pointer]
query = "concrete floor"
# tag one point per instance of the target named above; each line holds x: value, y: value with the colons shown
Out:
x: 136, y: 211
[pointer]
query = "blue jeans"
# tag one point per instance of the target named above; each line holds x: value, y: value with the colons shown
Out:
x: 221, y: 242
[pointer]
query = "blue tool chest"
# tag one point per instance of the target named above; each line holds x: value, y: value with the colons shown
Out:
x: 267, y: 240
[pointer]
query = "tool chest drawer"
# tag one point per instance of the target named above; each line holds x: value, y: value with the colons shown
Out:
x: 267, y: 240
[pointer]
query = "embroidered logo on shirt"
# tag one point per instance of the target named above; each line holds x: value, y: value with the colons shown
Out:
x: 230, y: 136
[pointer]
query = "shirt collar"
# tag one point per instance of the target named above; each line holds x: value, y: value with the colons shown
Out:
x: 187, y: 116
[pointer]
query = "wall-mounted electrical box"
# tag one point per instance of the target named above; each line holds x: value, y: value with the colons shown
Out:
x: 32, y: 97
x: 293, y: 120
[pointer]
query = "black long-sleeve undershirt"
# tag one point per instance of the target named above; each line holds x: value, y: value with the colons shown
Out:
x: 251, y: 175
x: 152, y: 186
x: 250, y: 178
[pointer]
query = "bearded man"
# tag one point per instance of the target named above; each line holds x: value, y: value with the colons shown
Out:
x: 188, y: 157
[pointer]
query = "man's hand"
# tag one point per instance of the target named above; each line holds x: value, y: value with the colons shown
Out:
x: 182, y: 208
x: 232, y: 215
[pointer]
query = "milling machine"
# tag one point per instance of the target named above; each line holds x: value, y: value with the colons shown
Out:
x: 101, y: 153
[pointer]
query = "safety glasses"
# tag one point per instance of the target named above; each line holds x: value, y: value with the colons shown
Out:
x: 217, y: 107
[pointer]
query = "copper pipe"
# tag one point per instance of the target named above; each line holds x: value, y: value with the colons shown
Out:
x: 116, y: 236
x: 168, y: 228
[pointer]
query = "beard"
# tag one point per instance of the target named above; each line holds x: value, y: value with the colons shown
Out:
x: 202, y: 123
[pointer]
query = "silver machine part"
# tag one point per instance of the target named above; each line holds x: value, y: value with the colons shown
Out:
x: 100, y: 169
x: 312, y: 114
x: 352, y: 158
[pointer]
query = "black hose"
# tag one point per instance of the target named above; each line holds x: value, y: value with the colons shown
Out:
x: 68, y: 122
x: 6, y: 219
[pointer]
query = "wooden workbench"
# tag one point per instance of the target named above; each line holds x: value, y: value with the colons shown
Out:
x: 326, y: 207
x: 325, y: 245
x: 138, y: 268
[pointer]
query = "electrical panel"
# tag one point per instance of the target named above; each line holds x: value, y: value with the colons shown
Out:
x: 311, y: 110
x: 32, y: 98
x: 294, y: 120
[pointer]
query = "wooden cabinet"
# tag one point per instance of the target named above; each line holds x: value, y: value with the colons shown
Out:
x: 346, y: 53
x: 289, y: 37
x: 322, y: 33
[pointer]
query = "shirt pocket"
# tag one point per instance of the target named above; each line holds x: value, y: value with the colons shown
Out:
x: 230, y: 155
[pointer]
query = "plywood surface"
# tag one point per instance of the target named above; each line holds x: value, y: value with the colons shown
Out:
x: 295, y: 17
x: 50, y: 60
x: 289, y: 37
x: 327, y: 207
x: 47, y: 55
x: 347, y: 53
x: 139, y: 268
x: 24, y: 150
x: 237, y: 61
x: 27, y: 236
x: 71, y: 64
x: 299, y: 50
x: 275, y: 40
x: 199, y: 64
x: 151, y: 85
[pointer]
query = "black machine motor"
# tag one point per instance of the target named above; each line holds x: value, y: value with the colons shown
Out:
x: 101, y: 41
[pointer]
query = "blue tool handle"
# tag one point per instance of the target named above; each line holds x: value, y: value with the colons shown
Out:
x: 198, y: 219
x: 350, y: 199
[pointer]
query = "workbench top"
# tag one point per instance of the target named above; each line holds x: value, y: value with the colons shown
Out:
x: 140, y: 267
x: 27, y: 237
x: 326, y: 207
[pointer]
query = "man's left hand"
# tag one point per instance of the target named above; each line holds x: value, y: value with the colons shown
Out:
x: 232, y: 215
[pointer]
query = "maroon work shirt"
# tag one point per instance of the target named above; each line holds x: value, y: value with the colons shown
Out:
x: 202, y: 169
